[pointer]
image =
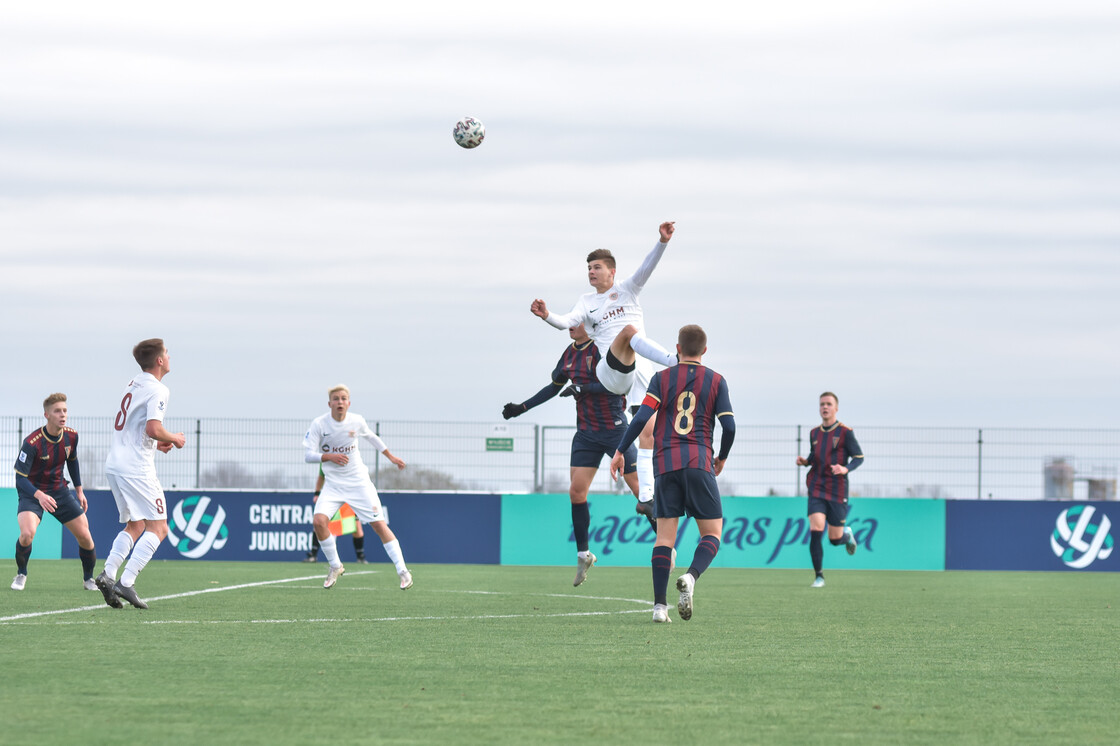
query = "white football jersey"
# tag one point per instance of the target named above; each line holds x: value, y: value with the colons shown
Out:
x: 604, y: 315
x: 131, y: 451
x: 326, y: 435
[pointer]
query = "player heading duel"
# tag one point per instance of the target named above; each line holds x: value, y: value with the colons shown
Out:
x: 613, y: 318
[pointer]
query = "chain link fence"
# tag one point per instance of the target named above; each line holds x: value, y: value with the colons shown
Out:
x: 961, y: 463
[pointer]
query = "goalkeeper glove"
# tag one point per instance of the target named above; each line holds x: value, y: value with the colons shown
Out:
x: 513, y: 410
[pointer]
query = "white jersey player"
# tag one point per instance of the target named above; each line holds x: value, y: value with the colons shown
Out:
x: 613, y: 317
x: 130, y: 469
x: 332, y: 440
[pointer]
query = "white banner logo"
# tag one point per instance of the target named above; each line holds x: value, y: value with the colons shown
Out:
x: 187, y: 518
x: 1077, y: 541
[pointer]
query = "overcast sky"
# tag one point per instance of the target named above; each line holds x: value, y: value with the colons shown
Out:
x: 916, y: 205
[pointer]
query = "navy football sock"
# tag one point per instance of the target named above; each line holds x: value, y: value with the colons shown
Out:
x: 581, y: 523
x: 23, y: 553
x: 705, y: 553
x: 816, y: 550
x: 838, y: 542
x: 360, y: 546
x: 661, y: 561
x: 89, y: 559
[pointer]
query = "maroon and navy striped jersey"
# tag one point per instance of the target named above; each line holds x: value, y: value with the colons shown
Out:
x: 827, y: 446
x: 41, y: 458
x: 601, y: 411
x: 688, y: 398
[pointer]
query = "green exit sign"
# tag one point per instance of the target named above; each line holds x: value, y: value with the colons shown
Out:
x: 499, y: 444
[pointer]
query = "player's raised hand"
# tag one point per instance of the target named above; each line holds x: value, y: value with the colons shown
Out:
x: 666, y: 230
x: 618, y: 461
x: 539, y: 308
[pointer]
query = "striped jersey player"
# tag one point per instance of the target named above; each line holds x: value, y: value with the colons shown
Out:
x: 833, y: 452
x: 688, y: 399
x: 41, y: 486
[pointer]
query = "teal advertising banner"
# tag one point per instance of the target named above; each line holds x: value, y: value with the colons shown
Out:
x: 893, y: 534
x: 48, y: 539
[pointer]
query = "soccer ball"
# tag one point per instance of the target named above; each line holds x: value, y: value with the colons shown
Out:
x: 469, y: 132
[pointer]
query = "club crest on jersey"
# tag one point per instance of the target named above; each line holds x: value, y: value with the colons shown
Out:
x: 67, y: 449
x: 835, y: 441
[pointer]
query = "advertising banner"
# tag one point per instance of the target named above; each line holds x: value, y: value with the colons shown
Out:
x: 893, y: 534
x: 1017, y: 535
x: 259, y: 526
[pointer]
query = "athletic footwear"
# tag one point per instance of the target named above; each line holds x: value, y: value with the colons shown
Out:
x: 128, y: 593
x: 21, y: 580
x: 661, y: 614
x: 362, y: 561
x: 685, y: 584
x: 310, y: 558
x: 89, y: 585
x: 851, y: 537
x: 646, y: 509
x: 819, y: 582
x: 406, y: 580
x: 582, y: 568
x: 333, y: 576
x: 105, y: 585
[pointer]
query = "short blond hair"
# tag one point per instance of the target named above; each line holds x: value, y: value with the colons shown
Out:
x: 52, y: 400
x: 338, y: 387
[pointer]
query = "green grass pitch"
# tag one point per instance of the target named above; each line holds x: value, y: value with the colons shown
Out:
x: 516, y: 655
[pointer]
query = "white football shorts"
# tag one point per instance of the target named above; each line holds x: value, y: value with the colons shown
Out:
x: 632, y: 385
x: 138, y: 498
x: 364, y: 500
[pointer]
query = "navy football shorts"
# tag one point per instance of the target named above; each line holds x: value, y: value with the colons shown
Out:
x: 835, y: 513
x: 68, y: 508
x: 691, y: 491
x: 589, y: 447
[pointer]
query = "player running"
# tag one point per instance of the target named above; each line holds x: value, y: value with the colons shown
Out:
x: 613, y: 318
x: 332, y: 440
x: 689, y: 398
x: 41, y: 486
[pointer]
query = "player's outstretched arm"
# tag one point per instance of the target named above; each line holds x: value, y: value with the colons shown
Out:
x: 645, y: 269
x: 515, y: 410
x: 397, y: 462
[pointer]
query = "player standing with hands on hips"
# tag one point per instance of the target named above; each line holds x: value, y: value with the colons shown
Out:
x: 130, y: 470
x: 613, y: 317
x: 833, y: 453
x: 688, y: 398
x: 332, y: 441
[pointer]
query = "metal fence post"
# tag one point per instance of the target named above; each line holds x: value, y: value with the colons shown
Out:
x: 537, y: 458
x: 797, y: 468
x: 19, y: 433
x: 198, y: 454
x: 979, y: 462
x: 377, y: 456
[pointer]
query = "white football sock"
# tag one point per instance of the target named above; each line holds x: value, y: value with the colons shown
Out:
x: 393, y: 549
x: 145, y: 547
x: 645, y: 474
x: 650, y: 350
x: 330, y: 550
x: 122, y: 545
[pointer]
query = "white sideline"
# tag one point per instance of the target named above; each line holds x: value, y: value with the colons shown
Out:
x: 643, y: 602
x: 102, y: 605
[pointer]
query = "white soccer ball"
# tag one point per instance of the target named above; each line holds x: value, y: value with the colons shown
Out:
x: 469, y: 132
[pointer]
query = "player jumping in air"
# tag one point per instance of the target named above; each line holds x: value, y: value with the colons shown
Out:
x: 599, y: 421
x: 613, y: 318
